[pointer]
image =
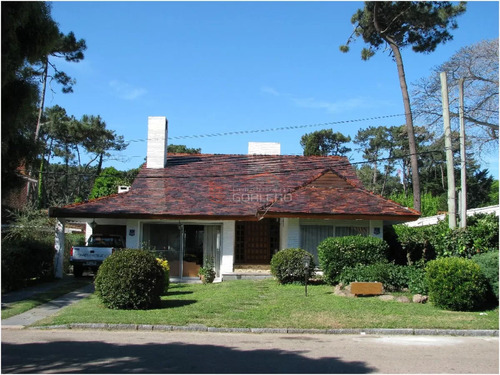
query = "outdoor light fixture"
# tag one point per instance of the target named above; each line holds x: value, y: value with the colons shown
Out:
x: 305, y: 261
x: 93, y: 225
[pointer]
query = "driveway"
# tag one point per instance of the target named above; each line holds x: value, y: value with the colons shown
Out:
x: 101, y: 351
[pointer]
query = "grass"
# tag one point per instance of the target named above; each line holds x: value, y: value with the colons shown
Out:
x: 264, y: 303
x: 19, y: 307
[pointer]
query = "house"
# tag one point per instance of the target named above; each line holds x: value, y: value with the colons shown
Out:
x: 236, y: 209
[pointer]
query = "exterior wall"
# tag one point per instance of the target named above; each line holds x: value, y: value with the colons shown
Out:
x: 227, y: 246
x: 133, y: 234
x: 377, y: 228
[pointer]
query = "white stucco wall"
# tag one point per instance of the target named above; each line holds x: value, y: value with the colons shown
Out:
x: 133, y: 235
x: 227, y: 250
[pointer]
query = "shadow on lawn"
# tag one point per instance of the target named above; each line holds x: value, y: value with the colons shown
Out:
x: 171, y: 303
x: 176, y: 357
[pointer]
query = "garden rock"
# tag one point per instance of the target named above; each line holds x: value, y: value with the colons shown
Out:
x: 339, y: 290
x: 386, y: 297
x: 418, y: 298
x: 403, y: 299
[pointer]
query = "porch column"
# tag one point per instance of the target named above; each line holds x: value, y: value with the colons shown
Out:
x: 227, y: 250
x: 59, y: 247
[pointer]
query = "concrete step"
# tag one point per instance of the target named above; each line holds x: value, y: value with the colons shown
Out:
x: 246, y: 276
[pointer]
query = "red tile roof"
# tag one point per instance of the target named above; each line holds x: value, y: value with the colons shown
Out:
x: 207, y: 186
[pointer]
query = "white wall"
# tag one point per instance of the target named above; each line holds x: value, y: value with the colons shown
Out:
x: 227, y: 250
x: 133, y: 234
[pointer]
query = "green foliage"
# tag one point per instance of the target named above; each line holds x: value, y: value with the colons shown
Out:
x: 393, y: 277
x: 419, y: 24
x: 182, y: 149
x: 106, y: 183
x: 337, y: 253
x: 488, y: 262
x: 493, y: 195
x: 24, y: 260
x: 28, y: 32
x: 130, y: 279
x: 166, y: 270
x: 324, y: 142
x: 456, y: 284
x: 287, y: 265
x: 207, y: 272
x: 431, y: 205
x: 480, y: 236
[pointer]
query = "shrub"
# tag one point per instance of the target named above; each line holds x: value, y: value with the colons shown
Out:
x: 456, y: 284
x: 24, y: 260
x: 416, y: 242
x: 337, y: 253
x: 437, y: 241
x: 393, y: 277
x: 166, y: 270
x: 130, y: 279
x: 417, y: 282
x: 288, y: 265
x: 488, y: 263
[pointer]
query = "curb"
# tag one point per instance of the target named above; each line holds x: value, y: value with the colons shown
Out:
x: 344, y: 331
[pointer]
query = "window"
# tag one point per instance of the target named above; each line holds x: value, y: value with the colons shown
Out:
x: 312, y: 235
x: 351, y: 231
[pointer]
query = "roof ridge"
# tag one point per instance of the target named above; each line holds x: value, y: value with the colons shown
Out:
x: 268, y: 205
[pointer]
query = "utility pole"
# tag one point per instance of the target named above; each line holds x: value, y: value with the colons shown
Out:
x: 463, y: 174
x: 452, y: 217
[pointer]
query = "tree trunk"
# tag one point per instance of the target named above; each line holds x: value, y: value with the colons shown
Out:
x: 406, y: 101
x: 42, y: 99
x: 409, y: 128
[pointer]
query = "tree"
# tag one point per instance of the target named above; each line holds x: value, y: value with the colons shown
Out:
x: 108, y: 181
x: 64, y: 46
x: 325, y: 142
x: 27, y: 34
x: 29, y: 37
x: 478, y: 66
x: 182, y: 149
x: 81, y: 144
x: 398, y: 24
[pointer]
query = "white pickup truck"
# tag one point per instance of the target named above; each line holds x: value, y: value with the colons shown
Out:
x: 98, y: 248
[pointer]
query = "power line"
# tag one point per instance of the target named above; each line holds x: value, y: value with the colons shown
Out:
x: 239, y: 132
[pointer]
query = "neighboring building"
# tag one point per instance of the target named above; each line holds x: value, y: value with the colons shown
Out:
x: 237, y: 209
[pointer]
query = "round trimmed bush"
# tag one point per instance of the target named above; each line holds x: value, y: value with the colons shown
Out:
x: 337, y: 253
x: 130, y: 279
x: 456, y: 284
x: 287, y: 265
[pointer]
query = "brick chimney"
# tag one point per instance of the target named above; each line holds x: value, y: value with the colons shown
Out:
x: 157, y: 142
x: 264, y: 148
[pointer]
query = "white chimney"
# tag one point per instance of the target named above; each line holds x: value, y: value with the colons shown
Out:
x: 264, y: 148
x: 157, y: 142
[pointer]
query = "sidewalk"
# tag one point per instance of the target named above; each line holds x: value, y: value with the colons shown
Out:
x: 40, y: 312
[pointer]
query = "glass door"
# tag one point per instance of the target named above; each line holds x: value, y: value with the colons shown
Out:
x: 212, y: 245
x: 164, y: 241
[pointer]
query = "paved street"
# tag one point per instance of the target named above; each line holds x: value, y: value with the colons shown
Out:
x: 100, y: 351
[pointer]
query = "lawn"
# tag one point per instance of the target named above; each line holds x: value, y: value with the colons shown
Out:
x: 266, y: 304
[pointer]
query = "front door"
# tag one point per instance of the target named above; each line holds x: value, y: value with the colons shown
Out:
x: 256, y: 241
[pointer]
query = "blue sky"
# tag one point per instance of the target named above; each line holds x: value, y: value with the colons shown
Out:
x: 215, y: 67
